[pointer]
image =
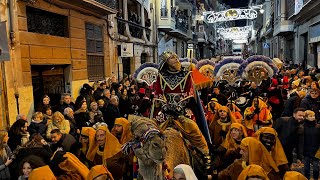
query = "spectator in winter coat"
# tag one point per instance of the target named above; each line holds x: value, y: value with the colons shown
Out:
x: 311, y: 144
x: 59, y: 139
x: 292, y: 103
x: 310, y: 102
x: 289, y: 131
x: 18, y: 134
x: 58, y: 122
x: 66, y: 102
x: 98, y: 94
x: 82, y: 115
x: 5, y: 156
x: 38, y: 124
x: 112, y: 112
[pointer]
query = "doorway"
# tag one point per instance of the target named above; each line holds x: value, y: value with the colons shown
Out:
x: 49, y: 80
x: 126, y: 65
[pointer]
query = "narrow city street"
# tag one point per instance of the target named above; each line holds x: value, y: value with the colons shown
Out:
x: 159, y: 89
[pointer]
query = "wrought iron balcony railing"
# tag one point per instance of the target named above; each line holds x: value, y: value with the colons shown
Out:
x: 136, y: 30
x: 182, y: 23
x: 121, y: 25
x: 110, y: 3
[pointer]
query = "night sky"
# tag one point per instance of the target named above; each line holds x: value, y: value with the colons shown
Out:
x: 237, y: 4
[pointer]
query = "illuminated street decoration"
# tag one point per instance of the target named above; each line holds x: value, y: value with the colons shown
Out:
x: 230, y: 15
x: 245, y: 29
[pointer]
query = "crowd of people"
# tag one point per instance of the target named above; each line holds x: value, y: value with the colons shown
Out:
x: 273, y: 134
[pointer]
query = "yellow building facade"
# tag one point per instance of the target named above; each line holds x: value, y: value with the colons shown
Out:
x: 57, y: 47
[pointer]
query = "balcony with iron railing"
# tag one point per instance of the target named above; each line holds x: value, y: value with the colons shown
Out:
x: 110, y: 3
x: 90, y: 7
x: 182, y: 23
x: 136, y: 30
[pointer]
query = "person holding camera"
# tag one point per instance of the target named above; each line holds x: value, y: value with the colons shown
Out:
x: 257, y: 116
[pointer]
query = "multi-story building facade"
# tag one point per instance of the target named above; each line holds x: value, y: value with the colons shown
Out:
x: 205, y: 32
x: 55, y: 47
x: 306, y: 39
x: 289, y: 30
x: 134, y: 24
x: 174, y: 24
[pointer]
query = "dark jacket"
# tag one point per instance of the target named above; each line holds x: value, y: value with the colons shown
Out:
x: 98, y: 94
x: 67, y: 142
x: 112, y: 112
x: 292, y: 103
x: 290, y: 135
x: 125, y: 107
x: 65, y: 105
x: 222, y: 99
x: 311, y: 140
x: 14, y: 140
x: 38, y: 127
x: 81, y: 118
x: 309, y: 103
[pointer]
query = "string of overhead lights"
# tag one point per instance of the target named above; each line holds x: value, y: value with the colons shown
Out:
x: 233, y: 14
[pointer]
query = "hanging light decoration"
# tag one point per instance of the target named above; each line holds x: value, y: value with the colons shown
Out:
x: 230, y: 15
x: 244, y: 29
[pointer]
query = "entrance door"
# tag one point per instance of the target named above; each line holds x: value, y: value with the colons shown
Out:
x: 126, y: 65
x: 48, y: 80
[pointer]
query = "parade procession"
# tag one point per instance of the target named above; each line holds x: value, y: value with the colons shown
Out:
x: 159, y: 89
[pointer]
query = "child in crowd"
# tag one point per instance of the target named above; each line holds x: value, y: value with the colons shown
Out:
x: 38, y: 124
x: 311, y: 144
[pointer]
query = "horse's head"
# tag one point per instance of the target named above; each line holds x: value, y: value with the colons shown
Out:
x: 150, y: 139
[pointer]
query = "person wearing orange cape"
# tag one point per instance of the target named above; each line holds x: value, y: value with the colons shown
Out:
x: 121, y: 130
x: 220, y: 125
x: 294, y: 175
x: 42, y: 173
x: 106, y: 150
x: 235, y: 111
x: 253, y: 172
x: 212, y: 107
x: 253, y: 152
x: 86, y: 138
x: 231, y: 145
x: 99, y: 172
x: 269, y: 138
x: 257, y: 116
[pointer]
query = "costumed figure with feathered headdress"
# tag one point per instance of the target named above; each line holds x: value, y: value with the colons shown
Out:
x: 174, y: 94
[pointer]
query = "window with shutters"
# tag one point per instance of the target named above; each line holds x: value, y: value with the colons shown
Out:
x: 95, y: 52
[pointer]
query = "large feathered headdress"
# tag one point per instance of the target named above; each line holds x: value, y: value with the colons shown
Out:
x: 257, y: 68
x: 187, y: 63
x: 227, y: 70
x: 206, y: 67
x: 147, y: 73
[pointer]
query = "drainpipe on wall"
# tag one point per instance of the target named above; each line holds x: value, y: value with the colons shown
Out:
x: 13, y: 44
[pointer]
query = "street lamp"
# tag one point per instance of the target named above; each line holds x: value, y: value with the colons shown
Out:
x: 261, y: 11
